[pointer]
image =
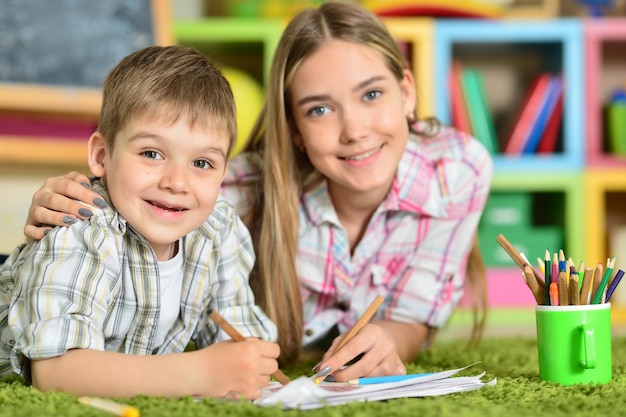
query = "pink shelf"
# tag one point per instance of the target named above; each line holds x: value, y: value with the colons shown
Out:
x: 597, y: 34
x: 506, y: 288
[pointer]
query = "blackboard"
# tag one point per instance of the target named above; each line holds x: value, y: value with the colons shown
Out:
x: 70, y: 42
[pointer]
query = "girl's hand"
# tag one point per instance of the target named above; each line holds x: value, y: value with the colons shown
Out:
x: 235, y: 369
x: 56, y: 203
x: 379, y: 355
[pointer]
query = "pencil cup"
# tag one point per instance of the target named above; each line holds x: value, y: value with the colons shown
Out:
x: 574, y: 343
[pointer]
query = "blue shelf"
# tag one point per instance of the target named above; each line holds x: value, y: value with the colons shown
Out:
x: 560, y: 46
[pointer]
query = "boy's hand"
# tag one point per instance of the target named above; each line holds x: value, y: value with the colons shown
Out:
x: 236, y: 369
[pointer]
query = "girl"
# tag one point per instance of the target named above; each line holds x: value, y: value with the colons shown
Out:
x: 346, y: 196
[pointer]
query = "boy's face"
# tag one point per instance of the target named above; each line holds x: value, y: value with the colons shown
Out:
x: 164, y: 179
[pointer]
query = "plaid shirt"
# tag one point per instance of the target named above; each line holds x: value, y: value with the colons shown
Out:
x: 414, y: 250
x: 95, y: 285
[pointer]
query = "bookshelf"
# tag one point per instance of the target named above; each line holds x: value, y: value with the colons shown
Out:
x: 605, y: 40
x: 510, y: 54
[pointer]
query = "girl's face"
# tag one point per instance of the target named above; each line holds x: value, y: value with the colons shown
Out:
x: 350, y: 113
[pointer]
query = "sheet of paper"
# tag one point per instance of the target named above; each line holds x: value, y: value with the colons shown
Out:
x: 303, y: 393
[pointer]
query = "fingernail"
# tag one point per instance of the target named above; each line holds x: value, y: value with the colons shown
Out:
x: 45, y: 232
x: 100, y: 203
x: 86, y: 185
x: 317, y: 365
x: 68, y: 219
x: 85, y: 213
x: 323, y: 372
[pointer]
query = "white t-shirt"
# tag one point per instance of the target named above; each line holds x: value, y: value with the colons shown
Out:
x: 171, y: 272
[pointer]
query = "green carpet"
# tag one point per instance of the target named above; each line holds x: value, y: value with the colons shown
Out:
x: 513, y: 361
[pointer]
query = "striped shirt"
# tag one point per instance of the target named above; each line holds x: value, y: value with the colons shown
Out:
x: 416, y: 245
x: 95, y: 285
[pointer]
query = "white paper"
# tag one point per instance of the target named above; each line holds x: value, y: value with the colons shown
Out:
x: 304, y: 394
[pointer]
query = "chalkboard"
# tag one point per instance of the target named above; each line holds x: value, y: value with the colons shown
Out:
x: 70, y: 42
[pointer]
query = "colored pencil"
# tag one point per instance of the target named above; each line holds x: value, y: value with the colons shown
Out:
x: 547, y: 267
x: 614, y: 284
x: 109, y: 406
x: 585, y: 292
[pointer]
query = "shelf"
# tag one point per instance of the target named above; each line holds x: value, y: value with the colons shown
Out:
x: 504, y: 47
x: 39, y: 151
x: 573, y: 202
x: 207, y: 34
x: 419, y: 34
x: 605, y: 41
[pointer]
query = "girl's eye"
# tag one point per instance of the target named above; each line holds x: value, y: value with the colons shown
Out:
x: 318, y: 111
x: 202, y: 164
x: 151, y: 155
x: 372, y: 95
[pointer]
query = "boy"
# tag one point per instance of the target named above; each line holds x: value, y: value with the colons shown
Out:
x: 102, y: 307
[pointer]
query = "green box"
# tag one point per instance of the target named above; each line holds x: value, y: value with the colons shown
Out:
x: 530, y: 241
x: 617, y: 127
x: 507, y: 209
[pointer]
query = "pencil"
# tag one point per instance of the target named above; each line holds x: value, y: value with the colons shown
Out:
x: 518, y: 259
x: 237, y: 337
x: 574, y: 294
x: 599, y: 295
x: 109, y: 406
x: 362, y: 321
x: 538, y: 292
x: 547, y: 267
x: 597, y: 277
x: 585, y: 293
x: 614, y: 284
x: 554, y: 294
x: 563, y: 296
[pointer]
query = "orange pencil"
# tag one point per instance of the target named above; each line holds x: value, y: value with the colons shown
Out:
x: 554, y: 294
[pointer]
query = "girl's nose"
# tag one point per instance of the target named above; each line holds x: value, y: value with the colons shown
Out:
x: 355, y: 125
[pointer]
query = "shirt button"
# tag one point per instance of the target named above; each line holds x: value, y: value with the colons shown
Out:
x: 11, y: 343
x: 308, y: 332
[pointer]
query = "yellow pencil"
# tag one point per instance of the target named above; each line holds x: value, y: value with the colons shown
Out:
x: 109, y: 406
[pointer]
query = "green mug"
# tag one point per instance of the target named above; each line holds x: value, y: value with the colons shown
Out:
x: 574, y: 343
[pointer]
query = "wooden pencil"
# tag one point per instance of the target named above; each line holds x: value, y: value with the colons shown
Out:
x: 597, y: 278
x: 574, y: 294
x: 538, y: 293
x: 362, y: 321
x: 518, y: 259
x: 563, y: 293
x: 585, y: 292
x: 238, y: 337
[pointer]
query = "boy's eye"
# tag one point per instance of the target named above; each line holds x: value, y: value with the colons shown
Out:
x: 151, y: 154
x: 202, y: 164
x: 371, y: 95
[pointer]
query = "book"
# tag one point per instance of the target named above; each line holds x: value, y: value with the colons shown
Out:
x: 527, y: 115
x: 458, y: 108
x: 304, y: 394
x: 547, y: 142
x: 480, y: 117
x: 551, y: 97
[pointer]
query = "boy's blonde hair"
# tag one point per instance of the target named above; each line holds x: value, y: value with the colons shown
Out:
x: 167, y: 82
x: 286, y: 172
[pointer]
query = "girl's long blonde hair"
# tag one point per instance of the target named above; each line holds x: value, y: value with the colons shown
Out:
x: 286, y: 172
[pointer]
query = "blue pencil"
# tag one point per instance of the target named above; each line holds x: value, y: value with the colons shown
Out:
x: 383, y: 379
x: 616, y: 280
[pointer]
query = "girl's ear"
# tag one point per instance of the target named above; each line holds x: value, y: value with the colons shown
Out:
x: 96, y: 154
x: 408, y: 89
